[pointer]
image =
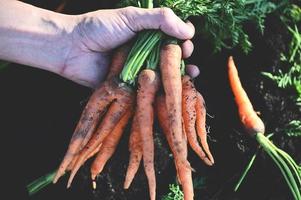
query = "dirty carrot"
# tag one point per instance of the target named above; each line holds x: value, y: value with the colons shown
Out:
x: 170, y: 61
x: 71, y: 165
x: 135, y: 149
x: 249, y: 118
x: 93, y: 111
x: 190, y: 113
x: 200, y: 108
x: 109, y: 145
x: 148, y: 85
x: 123, y: 100
x: 183, y: 168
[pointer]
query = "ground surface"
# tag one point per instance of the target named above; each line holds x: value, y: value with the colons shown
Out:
x: 39, y: 111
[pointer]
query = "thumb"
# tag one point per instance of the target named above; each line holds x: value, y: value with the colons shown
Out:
x: 138, y: 19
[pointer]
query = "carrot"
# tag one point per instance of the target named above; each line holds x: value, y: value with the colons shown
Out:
x: 109, y: 145
x: 71, y: 165
x: 170, y: 61
x: 250, y: 120
x: 93, y: 111
x: 135, y: 153
x: 183, y: 168
x: 201, y: 125
x: 189, y: 101
x: 123, y: 101
x: 148, y: 85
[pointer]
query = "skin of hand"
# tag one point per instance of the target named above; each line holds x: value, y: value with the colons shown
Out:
x: 78, y: 47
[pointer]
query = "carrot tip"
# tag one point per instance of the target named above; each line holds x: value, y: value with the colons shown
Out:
x: 94, y: 185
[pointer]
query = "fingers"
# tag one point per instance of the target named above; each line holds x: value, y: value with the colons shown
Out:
x: 192, y: 70
x: 138, y: 19
x: 187, y: 48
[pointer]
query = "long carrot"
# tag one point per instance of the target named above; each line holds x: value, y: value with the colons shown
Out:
x: 190, y: 114
x: 183, y: 168
x: 201, y: 125
x: 123, y: 100
x: 94, y: 109
x: 250, y: 120
x: 148, y: 85
x: 170, y: 61
x: 135, y: 149
x: 109, y: 145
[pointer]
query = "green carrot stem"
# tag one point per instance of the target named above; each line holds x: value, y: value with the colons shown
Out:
x: 142, y: 49
x: 247, y: 169
x: 154, y: 57
x: 182, y: 68
x: 281, y: 162
x: 40, y: 183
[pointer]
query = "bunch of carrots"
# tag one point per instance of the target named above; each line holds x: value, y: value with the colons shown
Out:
x: 147, y: 80
x: 143, y: 81
x: 180, y: 110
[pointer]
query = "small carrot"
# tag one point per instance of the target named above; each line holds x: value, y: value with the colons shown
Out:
x: 135, y: 153
x: 93, y: 111
x: 190, y: 113
x: 109, y: 145
x: 250, y: 120
x: 183, y: 168
x: 170, y: 61
x: 201, y: 125
x: 148, y: 85
x: 123, y: 100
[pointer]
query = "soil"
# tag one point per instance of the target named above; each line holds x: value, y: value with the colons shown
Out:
x: 39, y: 111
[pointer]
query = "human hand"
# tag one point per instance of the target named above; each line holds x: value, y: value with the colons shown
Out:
x: 97, y: 33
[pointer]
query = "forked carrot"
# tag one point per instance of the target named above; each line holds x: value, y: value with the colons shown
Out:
x: 123, y: 100
x: 71, y: 165
x: 190, y: 114
x: 109, y: 145
x: 94, y: 109
x: 148, y: 85
x: 183, y: 168
x: 200, y: 108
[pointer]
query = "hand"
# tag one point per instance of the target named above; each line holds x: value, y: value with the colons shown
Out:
x: 97, y: 33
x: 78, y: 47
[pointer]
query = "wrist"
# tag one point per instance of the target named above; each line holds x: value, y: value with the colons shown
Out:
x: 34, y: 36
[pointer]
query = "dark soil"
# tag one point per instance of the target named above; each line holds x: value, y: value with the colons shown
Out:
x: 39, y: 110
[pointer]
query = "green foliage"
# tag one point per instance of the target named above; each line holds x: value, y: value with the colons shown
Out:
x: 175, y: 193
x: 288, y: 167
x: 293, y: 128
x: 291, y: 59
x: 222, y: 20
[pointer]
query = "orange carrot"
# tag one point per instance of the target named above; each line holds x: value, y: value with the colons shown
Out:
x: 183, y: 168
x: 189, y: 114
x: 170, y: 60
x: 251, y: 122
x: 124, y: 99
x: 201, y: 125
x: 109, y: 145
x: 148, y: 85
x: 93, y: 111
x: 71, y: 165
x: 135, y: 153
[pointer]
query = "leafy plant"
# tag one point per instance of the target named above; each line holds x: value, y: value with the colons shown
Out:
x: 293, y: 128
x: 292, y: 58
x: 222, y: 21
x: 175, y: 193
